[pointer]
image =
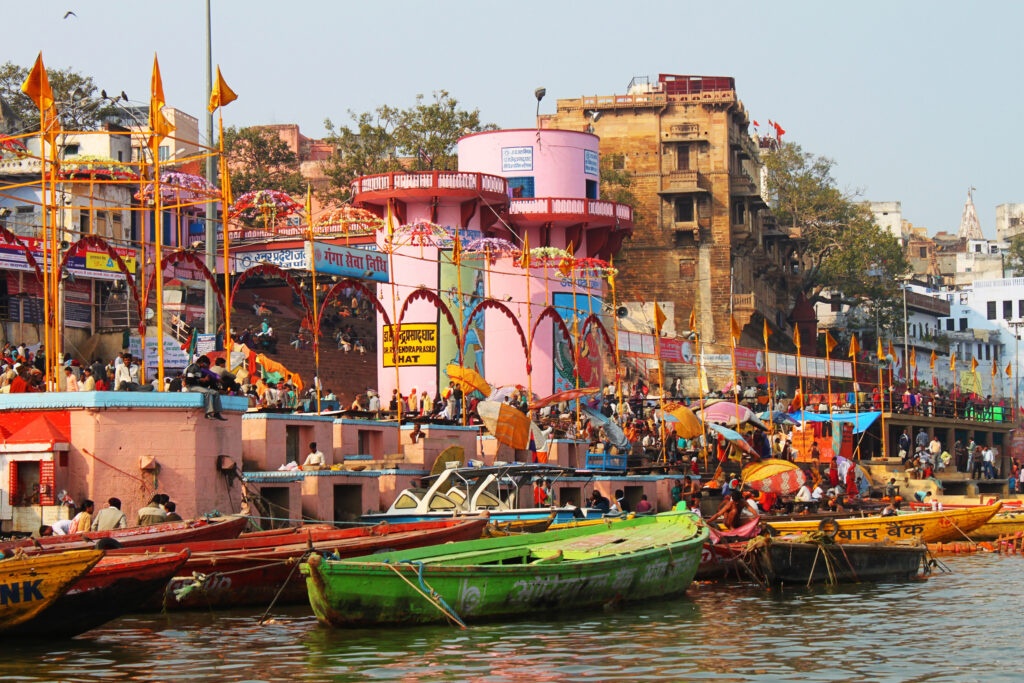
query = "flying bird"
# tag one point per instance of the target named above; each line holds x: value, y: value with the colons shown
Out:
x: 69, y: 13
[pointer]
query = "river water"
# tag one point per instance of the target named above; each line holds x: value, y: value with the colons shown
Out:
x: 962, y: 626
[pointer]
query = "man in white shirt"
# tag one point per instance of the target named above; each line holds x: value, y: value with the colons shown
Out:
x: 88, y: 383
x: 374, y: 404
x: 988, y: 457
x: 315, y: 458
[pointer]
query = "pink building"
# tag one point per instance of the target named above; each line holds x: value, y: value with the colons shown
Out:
x: 522, y: 186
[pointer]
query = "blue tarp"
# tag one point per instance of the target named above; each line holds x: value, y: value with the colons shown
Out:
x: 861, y: 421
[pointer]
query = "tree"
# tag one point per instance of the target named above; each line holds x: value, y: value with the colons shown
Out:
x: 1015, y: 258
x: 260, y: 160
x: 617, y: 183
x: 840, y: 253
x: 420, y: 138
x: 79, y: 104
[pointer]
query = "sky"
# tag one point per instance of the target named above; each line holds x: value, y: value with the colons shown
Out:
x: 914, y: 101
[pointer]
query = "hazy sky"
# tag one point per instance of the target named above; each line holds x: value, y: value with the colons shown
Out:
x: 915, y: 101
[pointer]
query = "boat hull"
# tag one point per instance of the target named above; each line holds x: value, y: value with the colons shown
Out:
x: 238, y: 577
x: 562, y: 515
x: 112, y: 588
x: 136, y: 537
x: 29, y: 584
x: 792, y: 563
x: 364, y: 591
x: 929, y: 527
x: 1003, y: 524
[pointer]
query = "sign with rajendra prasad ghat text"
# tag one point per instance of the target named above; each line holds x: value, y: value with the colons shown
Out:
x: 416, y: 346
x: 357, y: 263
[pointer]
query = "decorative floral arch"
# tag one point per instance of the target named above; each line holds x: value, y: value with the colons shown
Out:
x: 192, y: 259
x: 497, y: 305
x: 355, y: 284
x: 432, y: 297
x: 592, y: 318
x: 100, y: 243
x: 12, y: 239
x: 271, y: 269
x: 551, y: 312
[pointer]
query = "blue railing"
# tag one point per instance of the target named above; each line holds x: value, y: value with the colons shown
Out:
x: 606, y: 461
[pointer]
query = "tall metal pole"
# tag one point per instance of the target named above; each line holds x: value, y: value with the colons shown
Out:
x: 906, y: 342
x: 210, y: 239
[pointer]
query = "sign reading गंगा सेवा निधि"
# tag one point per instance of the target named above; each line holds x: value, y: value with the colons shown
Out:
x: 357, y: 263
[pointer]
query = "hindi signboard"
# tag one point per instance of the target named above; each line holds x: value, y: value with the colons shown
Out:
x: 417, y: 345
x: 349, y: 262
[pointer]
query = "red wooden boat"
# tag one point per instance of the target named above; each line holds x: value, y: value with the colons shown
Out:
x: 136, y: 536
x: 115, y: 586
x: 228, y: 574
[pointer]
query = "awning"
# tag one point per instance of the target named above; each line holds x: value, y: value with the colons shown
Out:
x: 861, y: 421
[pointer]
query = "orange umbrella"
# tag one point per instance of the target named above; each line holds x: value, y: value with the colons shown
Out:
x: 469, y: 379
x: 507, y: 424
x: 774, y: 476
x: 687, y: 425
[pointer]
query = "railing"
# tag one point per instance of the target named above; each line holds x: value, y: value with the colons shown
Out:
x: 431, y: 180
x: 606, y: 461
x: 580, y: 207
x: 744, y: 301
x: 653, y: 99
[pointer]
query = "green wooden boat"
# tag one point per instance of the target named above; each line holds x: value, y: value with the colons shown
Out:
x: 634, y: 559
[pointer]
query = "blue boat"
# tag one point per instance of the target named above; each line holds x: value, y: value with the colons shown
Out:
x: 473, y: 491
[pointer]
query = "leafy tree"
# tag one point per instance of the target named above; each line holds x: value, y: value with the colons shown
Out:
x: 260, y: 160
x: 1015, y: 258
x: 419, y: 138
x: 617, y: 183
x: 838, y: 249
x: 78, y: 100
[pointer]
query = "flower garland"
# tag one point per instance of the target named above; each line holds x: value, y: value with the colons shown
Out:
x: 422, y: 233
x: 270, y: 205
x: 89, y: 166
x: 350, y: 221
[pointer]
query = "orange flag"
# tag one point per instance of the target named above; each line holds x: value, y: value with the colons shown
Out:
x: 767, y: 333
x: 659, y: 317
x: 913, y: 360
x: 892, y: 351
x: 158, y: 123
x: 736, y: 333
x: 693, y: 320
x: 881, y: 351
x: 221, y: 95
x: 854, y: 346
x: 931, y: 363
x: 37, y: 87
x: 1009, y: 369
x: 995, y: 368
x: 952, y: 363
x: 974, y: 364
x: 565, y: 267
x: 830, y: 343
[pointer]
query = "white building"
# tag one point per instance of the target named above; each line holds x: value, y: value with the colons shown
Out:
x: 889, y: 217
x: 1009, y: 221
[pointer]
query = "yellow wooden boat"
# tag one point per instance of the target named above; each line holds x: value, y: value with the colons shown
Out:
x: 1003, y: 524
x: 931, y: 527
x: 576, y: 523
x: 31, y: 583
x: 517, y: 526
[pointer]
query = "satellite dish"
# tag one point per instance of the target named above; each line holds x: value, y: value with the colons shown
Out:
x: 621, y: 312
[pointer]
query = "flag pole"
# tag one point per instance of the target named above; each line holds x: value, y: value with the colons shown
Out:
x: 615, y: 326
x: 158, y: 238
x: 768, y: 374
x: 735, y: 388
x: 463, y: 323
x: 856, y: 385
x: 315, y: 323
x: 881, y: 399
x: 828, y: 375
x: 661, y: 393
x: 800, y: 379
x: 390, y: 242
x: 47, y: 265
x: 529, y: 314
x: 225, y: 182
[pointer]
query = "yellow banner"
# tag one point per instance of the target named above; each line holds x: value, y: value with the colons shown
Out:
x: 417, y: 346
x: 100, y: 261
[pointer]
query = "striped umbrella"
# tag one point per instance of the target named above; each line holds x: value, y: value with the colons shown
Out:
x: 774, y: 476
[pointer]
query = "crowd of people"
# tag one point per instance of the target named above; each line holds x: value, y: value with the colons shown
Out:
x: 84, y: 517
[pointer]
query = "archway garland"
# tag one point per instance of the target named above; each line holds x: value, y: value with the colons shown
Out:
x: 551, y: 312
x: 498, y: 306
x: 356, y: 284
x: 100, y: 243
x: 12, y: 239
x: 432, y: 297
x: 192, y: 259
x: 592, y: 318
x: 271, y: 269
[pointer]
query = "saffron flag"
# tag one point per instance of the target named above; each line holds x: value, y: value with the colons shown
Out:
x: 796, y: 337
x: 525, y: 263
x: 693, y: 320
x: 892, y: 351
x: 565, y: 267
x: 931, y: 363
x: 881, y: 351
x: 912, y: 360
x: 659, y: 317
x: 309, y: 210
x: 974, y: 364
x: 221, y: 95
x: 995, y: 368
x: 456, y: 247
x: 37, y: 85
x: 1009, y: 369
x: 854, y: 346
x: 735, y: 328
x: 830, y: 343
x: 952, y: 363
x: 158, y: 123
x: 767, y: 333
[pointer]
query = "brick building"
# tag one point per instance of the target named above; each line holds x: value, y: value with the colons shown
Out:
x: 697, y: 176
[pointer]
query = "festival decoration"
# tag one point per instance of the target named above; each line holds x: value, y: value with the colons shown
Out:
x: 178, y: 186
x: 780, y: 477
x: 489, y: 248
x: 421, y: 233
x: 349, y: 221
x: 88, y: 166
x: 267, y: 205
x: 12, y: 145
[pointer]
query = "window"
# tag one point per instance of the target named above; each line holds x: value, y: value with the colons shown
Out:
x: 836, y: 303
x: 739, y: 213
x: 521, y: 187
x: 988, y: 352
x: 1007, y: 310
x: 963, y: 324
x: 618, y: 161
x: 949, y: 324
x: 70, y: 150
x: 682, y: 157
x: 83, y: 222
x: 120, y: 155
x: 1020, y: 308
x: 684, y: 209
x: 405, y: 502
x: 25, y: 221
x: 165, y: 152
x: 591, y: 189
x: 923, y: 252
x: 991, y: 310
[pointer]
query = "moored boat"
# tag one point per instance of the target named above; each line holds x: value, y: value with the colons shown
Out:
x: 790, y: 561
x: 223, y: 574
x: 115, y: 586
x: 1002, y: 524
x: 929, y: 527
x: 137, y: 536
x: 522, y: 526
x: 31, y: 583
x: 636, y: 559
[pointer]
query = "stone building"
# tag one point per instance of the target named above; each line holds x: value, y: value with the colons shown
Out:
x: 704, y: 237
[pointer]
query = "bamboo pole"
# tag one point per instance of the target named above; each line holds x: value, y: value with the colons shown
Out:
x: 47, y: 266
x: 225, y: 182
x: 314, y: 325
x: 158, y: 241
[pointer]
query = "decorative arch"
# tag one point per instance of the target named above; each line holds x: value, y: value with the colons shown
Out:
x: 100, y: 243
x: 278, y: 271
x: 498, y: 306
x: 192, y: 259
x: 12, y: 239
x: 432, y: 297
x: 550, y: 312
x: 356, y: 284
x: 592, y: 318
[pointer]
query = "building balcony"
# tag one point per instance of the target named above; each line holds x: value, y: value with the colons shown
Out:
x: 426, y: 185
x: 685, y: 182
x: 684, y: 132
x: 742, y: 185
x: 640, y: 100
x: 571, y: 210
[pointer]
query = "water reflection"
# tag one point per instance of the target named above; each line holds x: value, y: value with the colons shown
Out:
x: 954, y: 627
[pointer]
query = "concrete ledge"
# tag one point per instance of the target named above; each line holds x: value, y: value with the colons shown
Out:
x: 60, y: 400
x: 288, y: 416
x: 369, y: 423
x: 290, y: 475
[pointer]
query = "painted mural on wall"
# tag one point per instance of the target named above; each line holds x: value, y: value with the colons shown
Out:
x: 472, y: 292
x: 592, y: 348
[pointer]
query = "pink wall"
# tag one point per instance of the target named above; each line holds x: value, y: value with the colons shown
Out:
x: 382, y: 438
x: 557, y: 160
x: 318, y: 494
x: 264, y: 440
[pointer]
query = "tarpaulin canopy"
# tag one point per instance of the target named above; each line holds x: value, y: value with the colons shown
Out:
x: 508, y: 425
x: 469, y: 379
x: 730, y: 414
x: 860, y: 421
x: 687, y: 425
x: 567, y: 395
x: 774, y: 476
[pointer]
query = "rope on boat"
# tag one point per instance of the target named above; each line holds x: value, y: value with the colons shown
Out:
x: 428, y: 593
x: 281, y: 589
x: 955, y: 526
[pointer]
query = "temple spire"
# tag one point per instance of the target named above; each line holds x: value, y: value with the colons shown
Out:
x: 970, y: 227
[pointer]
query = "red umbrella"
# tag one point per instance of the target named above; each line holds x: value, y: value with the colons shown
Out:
x: 568, y: 395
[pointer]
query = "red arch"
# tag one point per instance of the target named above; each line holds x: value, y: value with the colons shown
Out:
x: 16, y: 241
x: 551, y: 312
x: 431, y: 296
x: 348, y: 282
x: 195, y: 261
x: 497, y: 305
x: 100, y: 243
x: 271, y: 269
x: 592, y: 318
